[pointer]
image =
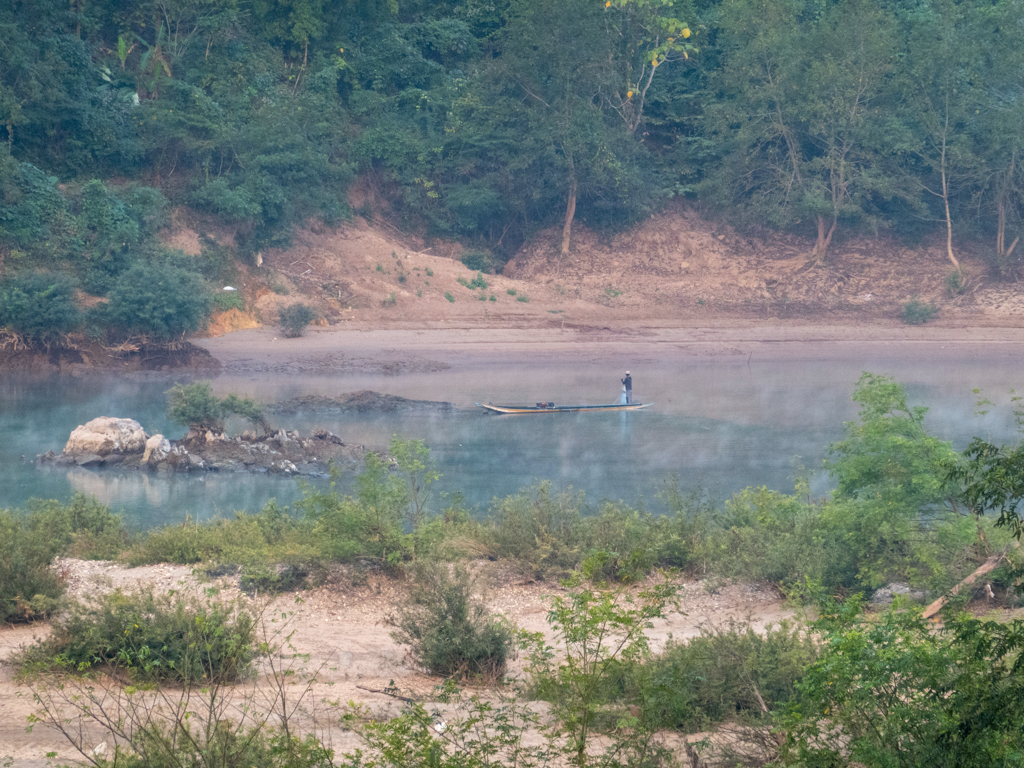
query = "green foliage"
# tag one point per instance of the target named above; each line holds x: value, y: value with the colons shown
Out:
x: 367, y: 526
x: 82, y: 528
x: 196, y: 407
x: 30, y: 540
x: 158, y: 301
x: 597, y: 630
x: 478, y: 261
x: 448, y: 295
x: 449, y: 629
x: 510, y: 291
x: 224, y: 300
x: 40, y: 307
x: 523, y: 298
x: 955, y: 284
x: 479, y: 732
x: 171, y: 636
x: 29, y: 589
x: 917, y: 312
x: 991, y: 480
x: 294, y: 319
x: 725, y: 673
x: 895, y: 692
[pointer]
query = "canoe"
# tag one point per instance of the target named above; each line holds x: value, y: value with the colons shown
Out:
x: 543, y: 408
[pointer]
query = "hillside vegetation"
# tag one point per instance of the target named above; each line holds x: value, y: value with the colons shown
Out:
x: 483, y: 122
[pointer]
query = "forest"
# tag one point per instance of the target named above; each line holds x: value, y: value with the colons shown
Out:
x: 488, y: 120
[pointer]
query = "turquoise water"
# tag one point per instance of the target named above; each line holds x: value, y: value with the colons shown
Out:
x: 718, y: 424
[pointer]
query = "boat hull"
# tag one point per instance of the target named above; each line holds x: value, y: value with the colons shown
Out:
x: 563, y: 408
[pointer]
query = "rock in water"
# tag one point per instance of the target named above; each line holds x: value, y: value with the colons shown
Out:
x: 157, y: 448
x: 105, y: 436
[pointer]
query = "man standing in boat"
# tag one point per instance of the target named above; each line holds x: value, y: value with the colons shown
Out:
x: 627, y: 384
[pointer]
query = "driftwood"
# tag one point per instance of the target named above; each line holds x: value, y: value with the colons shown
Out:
x: 982, y: 569
x: 387, y: 692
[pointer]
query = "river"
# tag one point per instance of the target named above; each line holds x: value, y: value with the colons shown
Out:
x: 718, y: 424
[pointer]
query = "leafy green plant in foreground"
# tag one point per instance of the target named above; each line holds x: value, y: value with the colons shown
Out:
x: 597, y: 629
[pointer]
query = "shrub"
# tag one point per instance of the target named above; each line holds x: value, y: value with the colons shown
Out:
x: 40, y: 307
x: 29, y: 589
x: 449, y: 629
x: 539, y: 529
x: 160, y: 301
x: 81, y: 528
x: 448, y: 295
x: 955, y: 284
x: 478, y: 261
x: 725, y: 673
x: 169, y: 636
x: 524, y: 298
x: 295, y: 318
x: 225, y: 300
x: 510, y: 291
x: 917, y: 312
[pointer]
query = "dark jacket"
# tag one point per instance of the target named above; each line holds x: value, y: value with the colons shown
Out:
x: 628, y: 382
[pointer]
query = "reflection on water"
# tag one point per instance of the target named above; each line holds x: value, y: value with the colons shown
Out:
x: 719, y: 423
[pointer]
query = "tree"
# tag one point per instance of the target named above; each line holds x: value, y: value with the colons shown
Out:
x: 41, y: 307
x: 800, y: 89
x: 562, y: 57
x: 158, y: 301
x: 940, y: 94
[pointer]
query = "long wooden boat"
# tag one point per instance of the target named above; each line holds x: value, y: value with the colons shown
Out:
x: 551, y: 408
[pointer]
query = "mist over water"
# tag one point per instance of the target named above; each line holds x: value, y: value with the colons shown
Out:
x: 720, y: 424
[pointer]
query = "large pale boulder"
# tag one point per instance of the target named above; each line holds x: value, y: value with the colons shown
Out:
x: 105, y: 436
x: 157, y: 448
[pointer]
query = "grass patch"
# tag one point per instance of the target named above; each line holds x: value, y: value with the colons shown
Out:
x: 448, y: 295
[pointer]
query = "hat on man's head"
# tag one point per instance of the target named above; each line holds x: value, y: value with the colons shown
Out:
x: 627, y: 373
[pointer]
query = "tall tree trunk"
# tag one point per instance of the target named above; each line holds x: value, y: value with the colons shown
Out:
x: 945, y: 196
x: 570, y: 213
x: 1001, y: 225
x: 825, y: 232
x: 949, y: 223
x: 1001, y: 230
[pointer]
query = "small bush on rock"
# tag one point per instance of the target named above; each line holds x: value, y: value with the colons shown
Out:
x: 449, y: 628
x: 294, y: 319
x: 40, y: 307
x: 196, y: 407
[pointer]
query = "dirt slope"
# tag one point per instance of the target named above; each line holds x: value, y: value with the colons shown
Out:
x: 675, y: 266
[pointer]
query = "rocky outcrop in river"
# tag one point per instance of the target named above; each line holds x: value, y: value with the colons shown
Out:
x: 106, y: 442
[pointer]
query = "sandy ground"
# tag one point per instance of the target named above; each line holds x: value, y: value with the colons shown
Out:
x: 344, y: 630
x: 355, y: 348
